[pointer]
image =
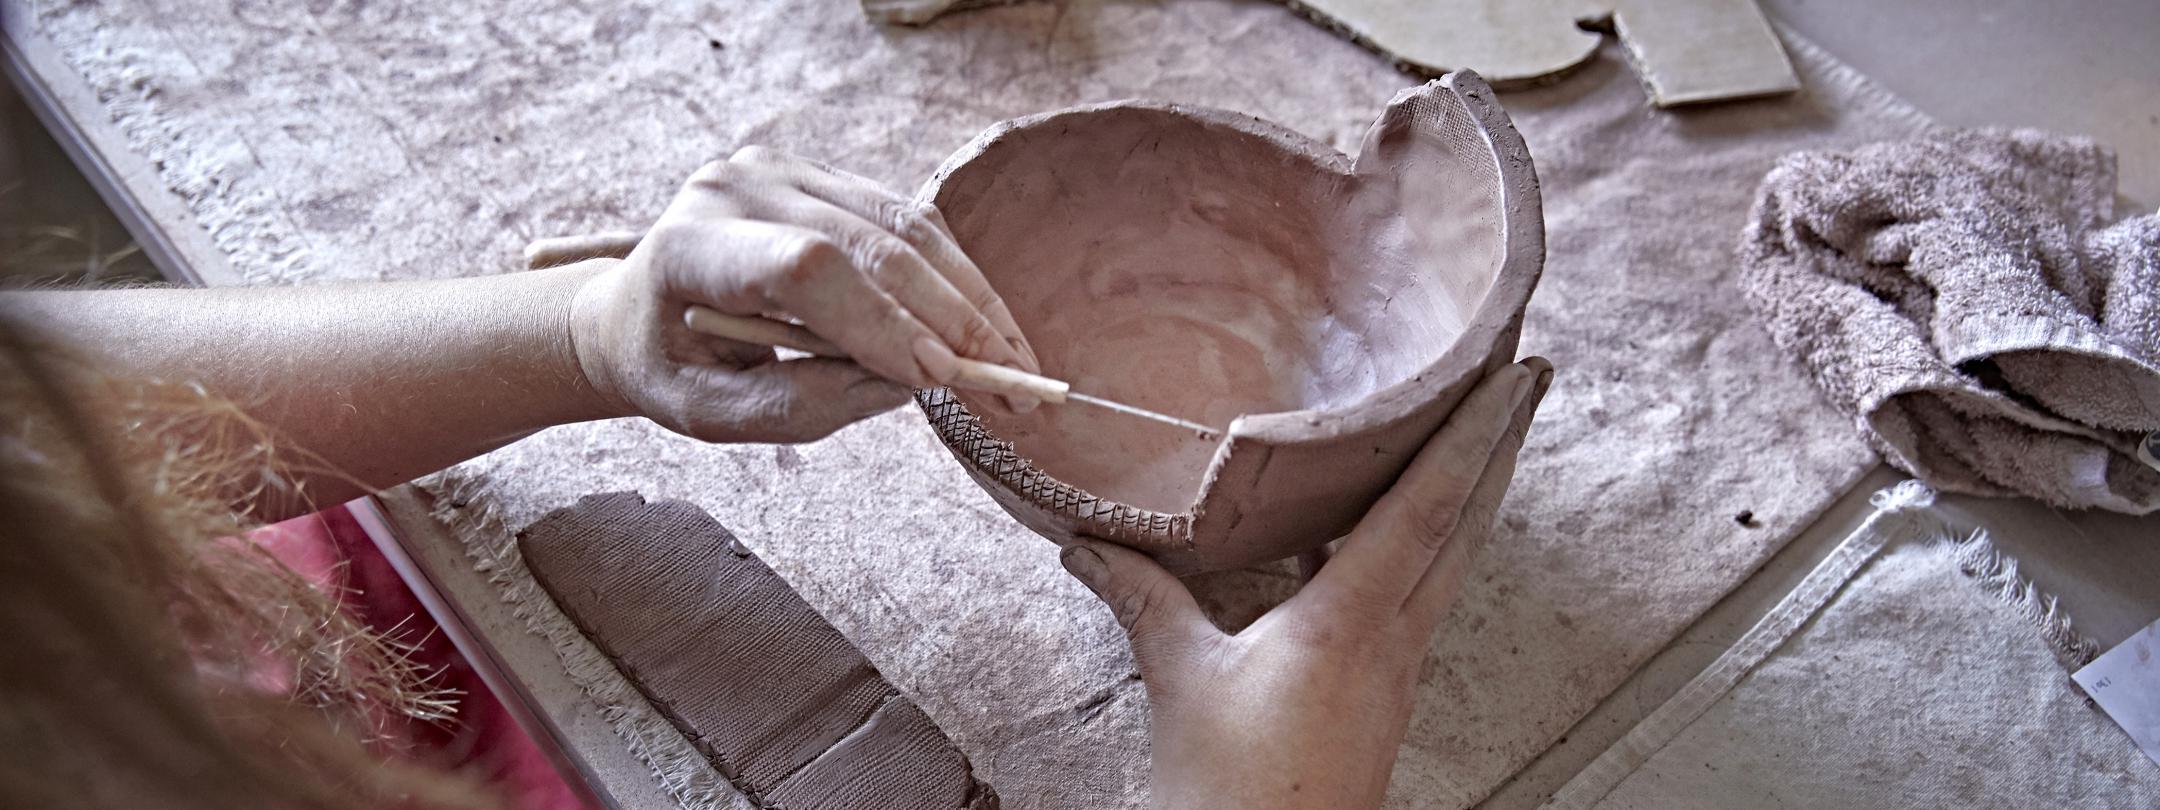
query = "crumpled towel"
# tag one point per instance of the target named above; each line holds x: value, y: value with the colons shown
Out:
x: 1963, y: 297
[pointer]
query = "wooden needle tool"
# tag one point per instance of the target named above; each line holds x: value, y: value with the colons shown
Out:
x: 974, y: 375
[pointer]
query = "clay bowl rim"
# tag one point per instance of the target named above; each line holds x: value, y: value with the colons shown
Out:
x: 1522, y: 259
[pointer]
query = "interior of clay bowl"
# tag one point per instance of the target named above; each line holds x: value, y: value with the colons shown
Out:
x: 1207, y: 266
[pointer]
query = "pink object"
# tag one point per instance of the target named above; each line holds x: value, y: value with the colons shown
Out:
x: 332, y: 549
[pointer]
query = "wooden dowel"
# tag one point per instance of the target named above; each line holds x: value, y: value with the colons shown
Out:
x: 974, y: 375
x: 560, y: 250
x: 760, y: 331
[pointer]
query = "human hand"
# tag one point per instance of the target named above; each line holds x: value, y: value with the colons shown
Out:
x: 1307, y: 706
x: 765, y: 233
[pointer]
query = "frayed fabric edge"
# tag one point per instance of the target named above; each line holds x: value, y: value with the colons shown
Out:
x: 1997, y: 573
x: 463, y: 503
x: 243, y: 219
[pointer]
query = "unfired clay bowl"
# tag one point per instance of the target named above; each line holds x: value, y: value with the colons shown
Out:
x: 1330, y: 312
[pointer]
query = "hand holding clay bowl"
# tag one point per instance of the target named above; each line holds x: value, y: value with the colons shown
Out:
x: 1213, y: 266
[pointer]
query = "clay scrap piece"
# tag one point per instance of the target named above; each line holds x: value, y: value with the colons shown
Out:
x: 1224, y: 269
x: 1521, y: 42
x: 1691, y: 52
x: 917, y: 12
x: 1511, y: 44
x: 1686, y: 51
x: 763, y: 686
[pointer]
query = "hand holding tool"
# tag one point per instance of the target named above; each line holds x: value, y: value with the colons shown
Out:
x: 974, y: 375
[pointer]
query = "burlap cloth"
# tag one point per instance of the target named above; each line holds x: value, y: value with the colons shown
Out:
x: 1676, y: 451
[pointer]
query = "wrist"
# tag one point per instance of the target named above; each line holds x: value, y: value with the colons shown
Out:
x: 582, y: 327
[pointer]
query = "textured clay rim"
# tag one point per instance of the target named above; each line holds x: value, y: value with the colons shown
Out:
x: 994, y: 460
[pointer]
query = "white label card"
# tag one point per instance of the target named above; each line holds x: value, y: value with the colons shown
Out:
x: 2125, y: 681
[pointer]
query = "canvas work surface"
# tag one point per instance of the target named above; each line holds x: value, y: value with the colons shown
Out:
x: 1915, y: 667
x: 1675, y: 452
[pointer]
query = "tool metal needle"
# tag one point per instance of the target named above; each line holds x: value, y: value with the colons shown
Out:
x: 1198, y: 429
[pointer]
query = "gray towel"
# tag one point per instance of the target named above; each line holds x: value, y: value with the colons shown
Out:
x: 1964, y: 298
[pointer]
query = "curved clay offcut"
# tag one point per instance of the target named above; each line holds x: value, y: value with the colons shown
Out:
x: 1220, y: 268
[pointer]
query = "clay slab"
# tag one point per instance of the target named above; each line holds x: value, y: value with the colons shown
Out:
x: 781, y: 703
x: 1692, y: 52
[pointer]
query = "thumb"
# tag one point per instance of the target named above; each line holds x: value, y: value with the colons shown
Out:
x: 1159, y: 615
x: 798, y: 400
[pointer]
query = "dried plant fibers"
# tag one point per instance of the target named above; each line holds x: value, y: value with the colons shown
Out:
x: 156, y: 658
x: 1212, y: 265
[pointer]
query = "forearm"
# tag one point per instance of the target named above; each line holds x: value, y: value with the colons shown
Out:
x: 376, y: 383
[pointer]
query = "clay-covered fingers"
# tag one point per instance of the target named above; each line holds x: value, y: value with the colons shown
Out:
x: 901, y: 271
x: 1442, y: 582
x: 787, y: 401
x: 1159, y: 615
x: 803, y: 272
x: 1389, y: 551
x: 953, y: 297
x: 945, y: 254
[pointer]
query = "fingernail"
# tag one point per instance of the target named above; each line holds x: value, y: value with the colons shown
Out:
x: 1085, y: 565
x: 1522, y: 387
x: 1022, y: 404
x: 936, y: 360
x: 876, y: 395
